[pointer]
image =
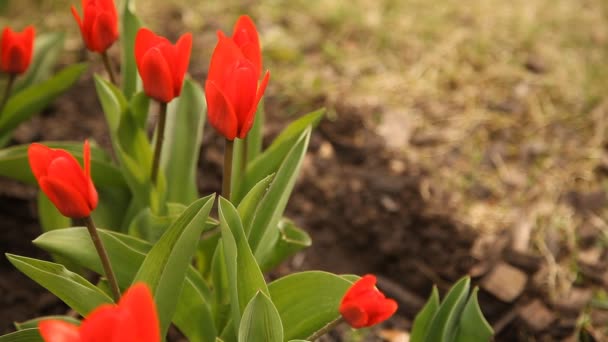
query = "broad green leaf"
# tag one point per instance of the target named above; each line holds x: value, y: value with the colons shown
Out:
x: 14, y: 163
x: 26, y: 335
x: 247, y: 207
x: 291, y: 240
x: 129, y: 25
x: 261, y: 321
x: 424, y: 317
x: 473, y: 326
x: 131, y: 145
x: 70, y: 287
x: 221, y: 288
x: 183, y: 136
x: 271, y: 159
x: 307, y: 301
x: 445, y: 321
x: 264, y: 232
x: 150, y: 227
x: 33, y: 323
x: 47, y: 48
x: 165, y: 266
x: 192, y: 315
x: 21, y: 106
x: 244, y: 276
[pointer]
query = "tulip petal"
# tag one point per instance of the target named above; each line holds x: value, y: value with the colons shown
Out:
x: 240, y: 86
x: 139, y: 302
x: 219, y: 111
x: 77, y: 17
x: 354, y: 315
x: 104, y: 32
x: 224, y: 57
x: 183, y: 48
x: 144, y: 41
x: 39, y: 156
x: 156, y: 76
x: 246, y: 125
x: 58, y: 331
x: 245, y: 35
x: 108, y: 323
x: 68, y: 200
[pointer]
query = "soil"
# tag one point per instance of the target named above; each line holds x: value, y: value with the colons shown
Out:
x: 362, y: 203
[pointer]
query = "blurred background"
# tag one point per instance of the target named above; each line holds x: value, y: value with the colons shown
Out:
x: 462, y: 137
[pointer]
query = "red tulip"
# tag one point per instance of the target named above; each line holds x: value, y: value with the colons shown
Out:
x: 134, y: 319
x: 162, y: 66
x: 232, y: 89
x: 99, y: 25
x: 16, y: 52
x: 59, y: 175
x: 364, y: 305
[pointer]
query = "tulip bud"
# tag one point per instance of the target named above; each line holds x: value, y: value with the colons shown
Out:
x: 16, y: 50
x: 61, y: 178
x: 364, y: 305
x: 161, y: 65
x: 134, y: 319
x: 232, y: 90
x: 99, y: 24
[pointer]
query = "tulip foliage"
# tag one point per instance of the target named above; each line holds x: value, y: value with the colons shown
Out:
x: 135, y: 217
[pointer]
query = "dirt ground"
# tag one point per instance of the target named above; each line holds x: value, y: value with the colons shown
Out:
x: 459, y: 140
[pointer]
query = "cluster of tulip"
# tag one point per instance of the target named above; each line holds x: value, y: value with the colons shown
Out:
x: 246, y: 236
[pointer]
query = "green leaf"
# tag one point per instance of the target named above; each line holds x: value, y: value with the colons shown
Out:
x: 424, y: 317
x: 166, y: 264
x: 473, y: 326
x: 256, y: 134
x: 33, y: 323
x: 244, y: 276
x: 183, y: 136
x: 47, y: 48
x: 307, y: 301
x: 264, y: 232
x: 26, y: 335
x: 50, y: 218
x: 249, y: 204
x: 70, y: 287
x: 221, y: 288
x: 445, y: 322
x: 129, y: 25
x: 149, y: 226
x: 291, y: 240
x: 261, y: 321
x: 14, y: 163
x: 192, y: 315
x: 21, y: 106
x: 270, y: 160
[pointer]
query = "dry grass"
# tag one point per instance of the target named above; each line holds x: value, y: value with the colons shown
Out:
x: 505, y: 101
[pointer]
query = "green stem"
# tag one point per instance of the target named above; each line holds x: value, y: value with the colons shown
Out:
x: 228, y: 151
x: 103, y: 256
x: 7, y: 91
x: 108, y: 65
x: 160, y: 137
x: 244, y: 156
x: 325, y: 329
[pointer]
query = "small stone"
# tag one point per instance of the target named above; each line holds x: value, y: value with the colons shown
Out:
x: 389, y: 204
x: 505, y: 282
x: 575, y: 300
x: 326, y: 150
x: 393, y: 335
x: 536, y: 315
x: 590, y: 256
x: 397, y: 166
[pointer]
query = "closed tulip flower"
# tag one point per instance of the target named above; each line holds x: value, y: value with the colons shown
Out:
x: 98, y: 25
x: 62, y: 179
x: 134, y: 319
x: 162, y: 65
x: 16, y: 50
x: 364, y: 305
x: 232, y: 89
